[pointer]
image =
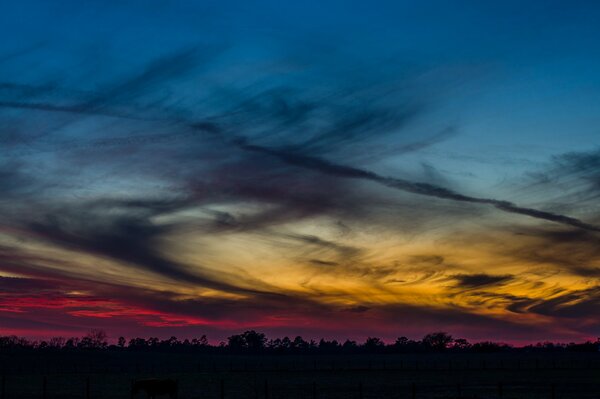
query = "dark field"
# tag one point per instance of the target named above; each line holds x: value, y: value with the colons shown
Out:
x: 109, y: 375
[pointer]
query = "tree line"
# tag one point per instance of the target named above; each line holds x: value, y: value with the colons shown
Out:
x: 253, y: 342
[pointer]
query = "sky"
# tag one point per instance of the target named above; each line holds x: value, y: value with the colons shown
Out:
x: 332, y: 169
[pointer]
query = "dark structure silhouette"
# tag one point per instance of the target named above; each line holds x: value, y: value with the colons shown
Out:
x: 154, y: 388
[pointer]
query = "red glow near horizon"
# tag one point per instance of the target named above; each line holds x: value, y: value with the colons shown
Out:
x: 111, y: 314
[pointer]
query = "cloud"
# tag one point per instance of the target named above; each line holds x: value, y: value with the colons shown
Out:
x: 479, y: 280
x: 123, y: 231
x: 344, y: 252
x: 319, y: 262
x: 425, y: 189
x: 19, y: 284
x: 572, y: 250
x: 579, y: 304
x: 573, y: 178
x: 13, y: 181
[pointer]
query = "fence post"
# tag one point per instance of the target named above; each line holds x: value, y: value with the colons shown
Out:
x: 458, y: 389
x: 314, y: 390
x: 266, y: 389
x: 222, y: 389
x: 3, y: 388
x: 553, y: 395
x: 87, y: 388
x: 414, y: 390
x: 500, y: 389
x: 360, y: 390
x: 44, y: 388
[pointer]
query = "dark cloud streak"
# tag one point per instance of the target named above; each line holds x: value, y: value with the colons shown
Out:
x: 479, y: 280
x: 426, y: 189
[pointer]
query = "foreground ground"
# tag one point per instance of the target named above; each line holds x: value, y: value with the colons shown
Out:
x: 109, y: 375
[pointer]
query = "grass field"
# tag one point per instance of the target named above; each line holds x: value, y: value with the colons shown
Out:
x: 109, y: 375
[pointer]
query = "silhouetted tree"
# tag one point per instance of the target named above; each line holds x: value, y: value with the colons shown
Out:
x: 56, y: 342
x: 236, y: 343
x: 404, y: 345
x: 251, y: 341
x: 255, y: 342
x: 349, y: 346
x: 137, y: 343
x: 373, y: 344
x: 275, y: 345
x: 438, y: 341
x: 487, y: 346
x: 461, y: 344
x: 72, y: 343
x: 329, y: 346
x: 200, y: 342
x: 169, y: 343
x: 301, y: 344
x: 95, y: 339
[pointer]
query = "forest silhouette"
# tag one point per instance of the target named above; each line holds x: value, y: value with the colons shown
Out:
x: 253, y: 342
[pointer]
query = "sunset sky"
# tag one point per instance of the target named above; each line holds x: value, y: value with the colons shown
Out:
x: 321, y: 168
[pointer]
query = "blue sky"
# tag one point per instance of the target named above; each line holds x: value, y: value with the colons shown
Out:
x: 517, y: 80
